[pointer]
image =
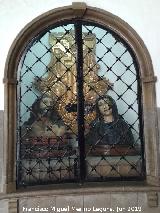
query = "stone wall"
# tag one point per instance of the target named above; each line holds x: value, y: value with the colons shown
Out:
x: 93, y: 203
x: 159, y: 123
x: 3, y: 203
x: 105, y: 202
x: 3, y: 206
x: 1, y: 148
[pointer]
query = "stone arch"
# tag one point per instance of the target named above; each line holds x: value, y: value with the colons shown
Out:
x: 106, y: 19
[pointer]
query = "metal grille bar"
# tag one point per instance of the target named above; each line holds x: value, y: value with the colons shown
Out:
x: 80, y: 98
x: 63, y: 75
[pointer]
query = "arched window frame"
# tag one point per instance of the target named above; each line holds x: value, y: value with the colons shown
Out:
x: 106, y: 19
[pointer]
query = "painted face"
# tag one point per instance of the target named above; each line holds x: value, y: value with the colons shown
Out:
x: 45, y: 103
x: 104, y: 107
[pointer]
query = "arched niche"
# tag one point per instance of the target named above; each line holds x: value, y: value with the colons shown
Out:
x: 106, y: 19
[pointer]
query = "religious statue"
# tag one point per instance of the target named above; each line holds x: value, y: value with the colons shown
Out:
x: 45, y: 127
x: 44, y: 120
x: 60, y: 83
x: 53, y: 115
x: 109, y: 133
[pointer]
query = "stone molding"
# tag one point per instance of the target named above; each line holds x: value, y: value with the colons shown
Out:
x: 79, y: 9
x: 71, y: 189
x: 152, y: 198
x: 13, y: 206
x: 146, y: 73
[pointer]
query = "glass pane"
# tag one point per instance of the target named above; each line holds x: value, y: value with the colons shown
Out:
x: 112, y: 134
x: 47, y: 128
x: 47, y: 112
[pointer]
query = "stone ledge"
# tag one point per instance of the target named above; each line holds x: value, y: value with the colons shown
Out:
x: 75, y: 189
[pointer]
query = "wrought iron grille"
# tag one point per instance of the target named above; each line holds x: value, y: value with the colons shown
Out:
x: 78, y: 107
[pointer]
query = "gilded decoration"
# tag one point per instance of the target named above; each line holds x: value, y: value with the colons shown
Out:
x: 60, y: 82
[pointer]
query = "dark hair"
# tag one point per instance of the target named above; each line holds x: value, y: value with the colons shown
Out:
x: 111, y: 103
x: 36, y: 112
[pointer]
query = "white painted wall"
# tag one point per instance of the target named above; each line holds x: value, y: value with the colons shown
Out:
x: 141, y: 15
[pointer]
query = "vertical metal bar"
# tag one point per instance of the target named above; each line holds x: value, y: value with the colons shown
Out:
x: 80, y: 97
